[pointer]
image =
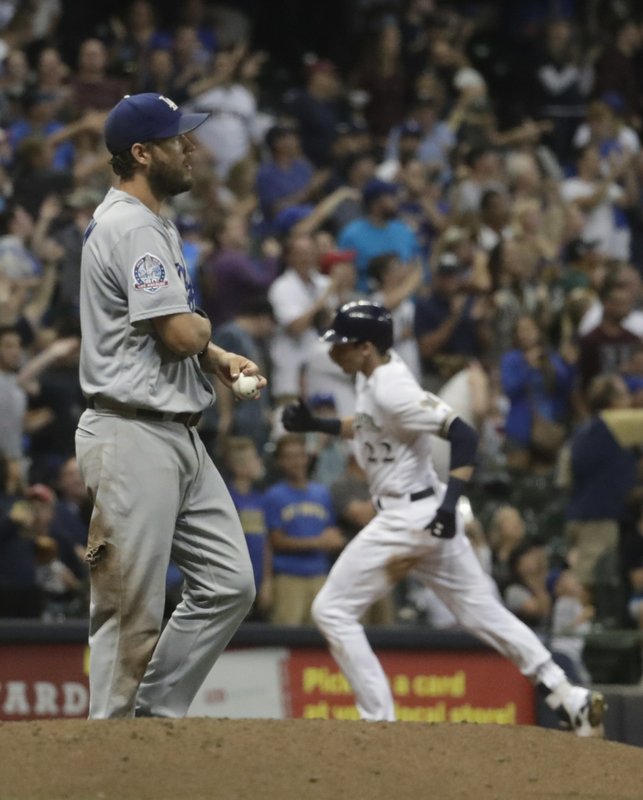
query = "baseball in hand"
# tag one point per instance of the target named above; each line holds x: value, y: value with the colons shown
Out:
x: 245, y: 387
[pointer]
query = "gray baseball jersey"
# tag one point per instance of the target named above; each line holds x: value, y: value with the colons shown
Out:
x: 132, y: 270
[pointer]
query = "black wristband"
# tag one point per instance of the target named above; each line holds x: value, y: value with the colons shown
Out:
x: 455, y: 487
x: 332, y: 425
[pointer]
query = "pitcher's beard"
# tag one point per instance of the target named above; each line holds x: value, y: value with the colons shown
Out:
x: 166, y: 182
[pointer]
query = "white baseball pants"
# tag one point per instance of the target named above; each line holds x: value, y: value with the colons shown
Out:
x: 450, y: 567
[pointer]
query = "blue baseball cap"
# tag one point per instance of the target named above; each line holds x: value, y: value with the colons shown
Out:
x: 144, y: 117
x: 288, y: 217
x: 376, y: 188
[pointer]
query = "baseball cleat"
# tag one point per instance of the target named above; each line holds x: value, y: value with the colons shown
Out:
x: 585, y: 710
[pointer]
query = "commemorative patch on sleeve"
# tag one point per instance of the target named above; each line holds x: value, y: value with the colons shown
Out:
x: 149, y: 274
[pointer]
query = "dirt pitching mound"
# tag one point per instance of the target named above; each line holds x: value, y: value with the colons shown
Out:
x: 298, y: 759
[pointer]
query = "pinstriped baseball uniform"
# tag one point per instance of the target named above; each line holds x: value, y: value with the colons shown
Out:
x: 393, y: 423
x: 155, y: 490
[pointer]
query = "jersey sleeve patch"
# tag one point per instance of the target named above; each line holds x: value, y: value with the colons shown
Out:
x: 149, y: 274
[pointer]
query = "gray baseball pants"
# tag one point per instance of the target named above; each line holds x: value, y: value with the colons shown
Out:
x: 157, y: 495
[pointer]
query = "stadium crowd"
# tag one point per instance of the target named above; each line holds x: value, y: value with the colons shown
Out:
x: 479, y: 173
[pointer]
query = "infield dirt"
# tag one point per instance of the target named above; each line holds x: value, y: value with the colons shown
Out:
x: 195, y: 759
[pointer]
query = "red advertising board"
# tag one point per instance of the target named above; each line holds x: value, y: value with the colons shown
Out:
x: 40, y: 681
x: 428, y: 687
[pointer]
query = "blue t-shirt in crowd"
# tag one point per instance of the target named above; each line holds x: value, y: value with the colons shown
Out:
x: 300, y: 513
x: 432, y: 311
x: 527, y: 391
x: 251, y: 508
x: 603, y: 473
x: 373, y: 240
x: 274, y: 183
x: 64, y: 152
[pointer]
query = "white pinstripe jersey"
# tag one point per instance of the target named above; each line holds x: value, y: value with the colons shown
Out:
x: 393, y: 422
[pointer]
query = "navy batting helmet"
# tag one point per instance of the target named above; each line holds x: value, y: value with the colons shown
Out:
x: 362, y: 321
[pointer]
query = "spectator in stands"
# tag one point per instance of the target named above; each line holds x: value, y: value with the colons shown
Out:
x: 70, y: 524
x: 422, y: 207
x: 159, y: 75
x: 14, y: 82
x: 52, y: 77
x: 609, y: 345
x: 69, y: 232
x: 583, y: 266
x: 56, y: 403
x: 629, y: 279
x: 481, y: 172
x: 379, y: 231
x: 394, y: 285
x: 381, y: 76
x: 39, y: 118
x: 462, y: 243
x: 538, y: 245
x: 526, y: 594
x: 327, y: 453
x: 59, y: 585
x: 17, y: 261
x: 13, y: 397
x: 405, y: 148
x: 230, y: 276
x: 92, y: 88
x: 494, y: 219
x: 602, y: 473
x: 616, y: 68
x: 287, y: 179
x: 318, y: 111
x: 450, y: 324
x: 136, y: 36
x: 353, y: 172
x: 233, y: 127
x: 301, y: 298
x: 245, y: 471
x: 303, y: 533
x: 20, y: 594
x: 35, y: 177
x: 571, y: 618
x: 249, y: 332
x: 435, y: 137
x: 538, y: 383
x: 506, y: 532
x: 600, y: 197
x: 606, y: 130
x: 564, y: 79
x: 322, y: 375
x: 191, y: 61
x: 515, y: 293
x: 632, y: 374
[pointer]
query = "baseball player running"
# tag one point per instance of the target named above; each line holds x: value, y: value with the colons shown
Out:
x: 418, y: 526
x: 156, y: 492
